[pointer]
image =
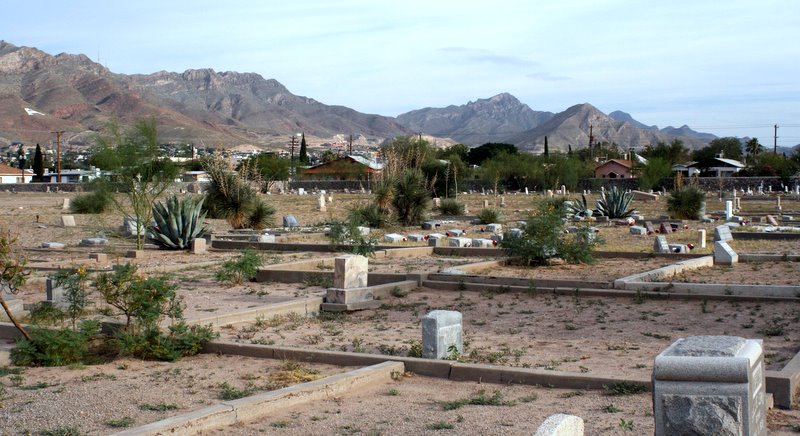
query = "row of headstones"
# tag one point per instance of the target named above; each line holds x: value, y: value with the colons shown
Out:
x: 701, y: 384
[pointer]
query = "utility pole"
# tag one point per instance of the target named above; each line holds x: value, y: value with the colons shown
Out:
x: 351, y: 145
x: 58, y: 154
x: 775, y: 141
x: 291, y: 160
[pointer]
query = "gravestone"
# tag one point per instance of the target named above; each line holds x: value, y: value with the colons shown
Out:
x: 393, y: 237
x: 526, y: 190
x: 482, y: 243
x: 67, y: 220
x: 665, y: 229
x: 786, y: 218
x: 638, y: 230
x: 722, y: 233
x: 364, y: 231
x: 66, y: 204
x: 728, y: 210
x: 437, y: 202
x: 494, y: 228
x: 771, y: 219
x: 321, y: 203
x: 738, y: 204
x: 660, y: 245
x: 290, y: 221
x: 264, y: 237
x: 724, y: 254
x: 301, y: 191
x: 99, y: 257
x: 502, y: 201
x: 706, y: 385
x: 53, y: 245
x: 564, y: 190
x: 198, y: 246
x: 53, y: 294
x: 778, y: 203
x: 459, y: 242
x: 497, y: 237
x: 648, y: 225
x: 515, y: 233
x: 701, y: 238
x: 454, y: 232
x: 436, y: 239
x: 643, y: 196
x: 416, y: 237
x: 561, y: 425
x: 430, y: 225
x: 485, y: 204
x: 441, y: 332
x: 605, y: 219
x: 678, y: 248
x: 350, y: 271
x: 88, y: 242
x: 550, y: 193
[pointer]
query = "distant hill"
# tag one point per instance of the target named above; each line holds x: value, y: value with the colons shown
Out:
x: 78, y: 95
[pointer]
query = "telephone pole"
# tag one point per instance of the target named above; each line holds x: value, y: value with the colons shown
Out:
x: 291, y: 160
x: 775, y: 141
x: 58, y: 154
x: 350, y: 152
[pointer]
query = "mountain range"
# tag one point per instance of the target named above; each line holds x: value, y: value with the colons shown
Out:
x: 74, y: 94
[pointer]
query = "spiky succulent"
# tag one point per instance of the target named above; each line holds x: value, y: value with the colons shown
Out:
x: 178, y: 222
x: 579, y: 208
x: 615, y: 203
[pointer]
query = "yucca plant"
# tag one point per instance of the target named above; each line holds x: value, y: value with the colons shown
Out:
x: 178, y: 222
x: 410, y: 197
x: 615, y: 203
x: 451, y: 207
x: 579, y: 208
x: 687, y: 203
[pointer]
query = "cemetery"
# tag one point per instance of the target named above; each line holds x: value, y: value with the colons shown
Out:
x: 437, y: 328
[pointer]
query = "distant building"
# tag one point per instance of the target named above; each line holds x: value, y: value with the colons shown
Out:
x: 614, y: 169
x: 344, y: 168
x: 718, y: 166
x: 686, y: 169
x: 195, y: 176
x: 72, y: 176
x: 9, y: 174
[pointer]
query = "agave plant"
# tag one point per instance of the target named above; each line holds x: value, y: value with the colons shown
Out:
x: 579, y: 208
x: 178, y: 222
x: 615, y: 203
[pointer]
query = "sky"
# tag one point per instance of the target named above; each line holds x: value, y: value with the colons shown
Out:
x: 729, y: 68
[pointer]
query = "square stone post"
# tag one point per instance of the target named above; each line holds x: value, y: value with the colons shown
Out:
x: 441, y: 329
x: 710, y: 385
x: 350, y: 271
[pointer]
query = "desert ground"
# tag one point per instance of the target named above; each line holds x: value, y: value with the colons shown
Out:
x: 535, y: 329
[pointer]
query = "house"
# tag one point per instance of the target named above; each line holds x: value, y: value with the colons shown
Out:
x: 718, y: 166
x: 614, y: 169
x: 686, y: 169
x: 72, y: 175
x: 9, y: 174
x: 345, y: 168
x: 195, y: 176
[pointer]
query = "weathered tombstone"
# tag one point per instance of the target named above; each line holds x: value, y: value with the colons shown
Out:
x: 643, y: 196
x: 330, y: 199
x: 459, y: 242
x: 660, y: 245
x: 778, y: 203
x: 454, y: 232
x: 264, y: 237
x: 502, y: 201
x: 701, y: 238
x: 485, y: 204
x: 648, y: 225
x: 665, y: 229
x: 442, y: 333
x: 550, y: 193
x: 564, y: 190
x: 638, y: 230
x: 526, y: 190
x: 198, y: 246
x: 437, y: 202
x: 393, y: 237
x: 99, y: 257
x: 301, y: 191
x: 496, y: 237
x: 66, y: 204
x: 704, y: 385
x: 482, y: 243
x: 771, y: 219
x: 53, y: 294
x: 290, y: 221
x: 561, y: 425
x: 364, y: 231
x: 494, y: 228
x: 53, y: 245
x: 604, y: 219
x: 515, y: 233
x: 786, y: 218
x: 678, y: 248
x: 88, y: 242
x: 416, y: 237
x: 321, y: 203
x: 429, y: 225
x: 722, y: 233
x: 728, y: 209
x: 738, y: 204
x: 350, y: 271
x: 67, y: 220
x: 724, y: 254
x: 436, y: 239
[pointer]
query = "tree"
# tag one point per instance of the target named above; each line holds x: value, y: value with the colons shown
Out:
x: 303, y: 150
x: 12, y: 274
x: 653, y: 172
x: 546, y: 148
x: 270, y: 168
x: 730, y: 147
x: 753, y: 148
x: 489, y: 150
x: 674, y: 152
x: 38, y: 163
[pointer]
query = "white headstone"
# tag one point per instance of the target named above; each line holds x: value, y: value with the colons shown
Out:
x: 460, y: 242
x: 778, y: 203
x: 561, y: 425
x: 301, y: 191
x: 526, y: 190
x: 482, y: 243
x: 724, y: 254
x: 416, y: 237
x: 67, y: 220
x: 722, y: 233
x: 728, y: 209
x: 393, y: 237
x: 660, y: 244
x: 65, y: 205
x: 638, y: 230
x: 701, y: 238
x: 441, y: 333
x: 350, y: 271
x: 494, y: 228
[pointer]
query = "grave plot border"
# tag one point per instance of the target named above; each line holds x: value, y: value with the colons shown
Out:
x: 771, y: 236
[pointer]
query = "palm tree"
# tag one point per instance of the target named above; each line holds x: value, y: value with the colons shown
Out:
x: 753, y: 148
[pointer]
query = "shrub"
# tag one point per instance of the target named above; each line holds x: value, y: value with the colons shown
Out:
x: 178, y: 222
x: 346, y: 235
x: 261, y: 215
x: 231, y: 197
x: 244, y: 268
x: 615, y: 203
x: 93, y: 202
x: 410, y: 197
x: 687, y: 203
x: 55, y: 347
x: 451, y: 207
x: 370, y: 215
x: 489, y: 216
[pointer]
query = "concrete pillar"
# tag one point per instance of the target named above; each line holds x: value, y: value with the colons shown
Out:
x: 441, y: 330
x: 701, y: 238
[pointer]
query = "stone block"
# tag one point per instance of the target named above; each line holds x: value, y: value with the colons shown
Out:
x: 515, y: 233
x: 99, y: 257
x: 771, y: 220
x: 602, y: 219
x: 497, y: 238
x: 53, y: 245
x: 638, y: 230
x: 436, y: 240
x: 53, y: 294
x: 290, y: 221
x: 787, y: 218
x: 454, y: 232
x: 494, y: 228
x: 722, y: 233
x: 665, y: 229
x: 441, y: 330
x: 363, y: 230
x: 701, y: 238
x: 264, y: 237
x: 430, y: 225
x: 638, y: 217
x: 724, y: 254
x: 482, y: 243
x: 350, y: 271
x: 453, y: 271
x: 393, y: 237
x: 89, y: 242
x: 660, y: 245
x: 561, y: 425
x: 67, y: 221
x: 198, y: 246
x: 710, y: 385
x: 643, y: 196
x: 416, y: 237
x: 678, y: 248
x: 66, y: 204
x: 460, y: 242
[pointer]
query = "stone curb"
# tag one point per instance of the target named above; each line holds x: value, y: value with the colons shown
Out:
x: 261, y: 405
x: 305, y: 307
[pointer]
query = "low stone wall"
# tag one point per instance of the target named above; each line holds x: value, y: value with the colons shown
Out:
x: 665, y: 272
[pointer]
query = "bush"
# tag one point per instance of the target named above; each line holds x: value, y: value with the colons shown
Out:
x: 178, y: 222
x: 347, y: 235
x: 55, y: 347
x: 410, y: 198
x: 687, y: 203
x: 490, y: 216
x: 370, y: 215
x: 451, y: 207
x: 244, y: 268
x: 231, y: 197
x: 180, y: 341
x: 615, y: 203
x: 93, y: 202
